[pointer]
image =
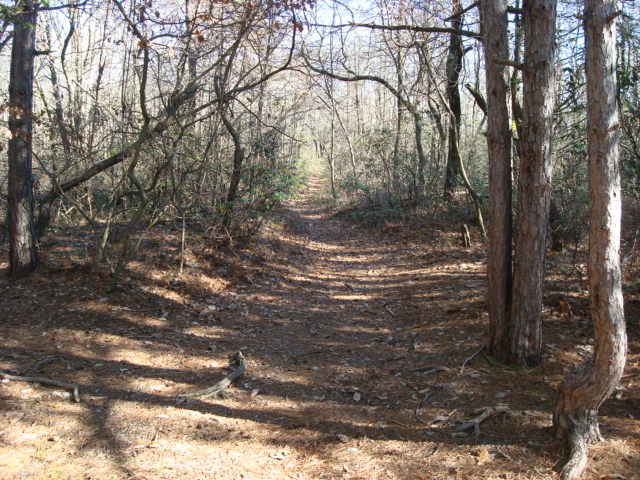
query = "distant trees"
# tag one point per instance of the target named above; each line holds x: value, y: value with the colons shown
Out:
x: 130, y: 126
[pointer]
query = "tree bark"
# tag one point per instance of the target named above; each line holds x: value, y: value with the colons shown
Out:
x: 236, y: 172
x: 534, y: 185
x: 583, y: 392
x: 454, y: 66
x: 494, y: 31
x: 22, y: 250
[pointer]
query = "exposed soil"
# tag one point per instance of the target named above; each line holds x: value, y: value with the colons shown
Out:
x: 354, y: 340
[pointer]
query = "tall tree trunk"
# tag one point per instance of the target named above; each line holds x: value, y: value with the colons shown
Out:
x: 454, y: 66
x: 534, y: 184
x: 583, y: 392
x: 496, y: 46
x: 22, y: 250
x: 422, y: 159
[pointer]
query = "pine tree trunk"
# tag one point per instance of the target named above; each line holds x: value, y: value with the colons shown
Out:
x: 534, y: 185
x: 496, y: 46
x: 583, y: 392
x: 22, y: 249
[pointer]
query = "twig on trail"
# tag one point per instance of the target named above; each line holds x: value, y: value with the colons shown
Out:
x: 393, y: 359
x: 219, y: 387
x: 45, y: 381
x: 384, y: 410
x: 419, y: 406
x: 434, y: 451
x: 428, y: 369
x: 485, y: 413
x: 296, y: 357
x: 351, y: 287
x: 395, y: 422
x: 40, y: 363
x: 468, y: 359
x: 132, y: 310
x: 418, y: 326
x: 393, y: 314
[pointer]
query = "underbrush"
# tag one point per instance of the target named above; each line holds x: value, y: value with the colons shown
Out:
x: 373, y: 214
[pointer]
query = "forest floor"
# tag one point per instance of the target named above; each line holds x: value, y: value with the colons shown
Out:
x: 355, y: 344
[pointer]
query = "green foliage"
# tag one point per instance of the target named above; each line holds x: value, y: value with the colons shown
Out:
x: 374, y: 213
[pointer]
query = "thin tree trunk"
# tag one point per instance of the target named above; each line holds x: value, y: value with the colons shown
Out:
x: 515, y: 81
x: 22, y: 250
x: 352, y: 153
x: 534, y: 184
x: 332, y: 141
x: 496, y: 45
x: 454, y: 66
x: 583, y: 392
x: 422, y: 159
x: 236, y: 172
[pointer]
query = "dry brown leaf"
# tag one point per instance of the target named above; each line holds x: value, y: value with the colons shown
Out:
x: 483, y: 456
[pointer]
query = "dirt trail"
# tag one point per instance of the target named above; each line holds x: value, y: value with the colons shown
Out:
x: 354, y: 342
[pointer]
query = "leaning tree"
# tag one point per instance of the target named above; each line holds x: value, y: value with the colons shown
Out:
x: 585, y: 389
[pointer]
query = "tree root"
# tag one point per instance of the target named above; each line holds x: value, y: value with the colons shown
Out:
x: 218, y: 388
x: 45, y: 381
x: 468, y: 359
x: 421, y: 403
x: 583, y: 431
x: 484, y: 414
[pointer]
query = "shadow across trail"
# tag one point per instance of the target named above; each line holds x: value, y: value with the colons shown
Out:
x: 354, y: 340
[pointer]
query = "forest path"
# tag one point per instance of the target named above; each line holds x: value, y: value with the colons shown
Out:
x: 354, y: 341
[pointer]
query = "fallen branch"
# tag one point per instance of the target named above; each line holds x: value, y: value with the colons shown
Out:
x: 300, y: 355
x: 219, y: 387
x: 41, y: 363
x: 350, y: 287
x: 467, y: 360
x: 485, y: 413
x: 419, y: 406
x: 45, y: 381
x: 428, y: 369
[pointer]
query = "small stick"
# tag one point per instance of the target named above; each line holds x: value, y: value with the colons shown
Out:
x: 46, y: 381
x: 132, y: 310
x: 420, y: 405
x: 471, y: 358
x: 39, y: 364
x: 386, y: 305
x: 295, y: 357
x: 384, y: 410
x: 428, y: 369
x: 219, y: 387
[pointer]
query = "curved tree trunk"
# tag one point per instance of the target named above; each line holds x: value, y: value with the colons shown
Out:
x: 496, y: 46
x: 583, y: 391
x: 22, y: 249
x: 236, y: 172
x: 534, y: 185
